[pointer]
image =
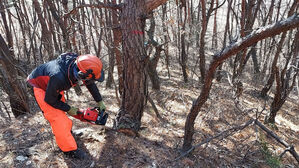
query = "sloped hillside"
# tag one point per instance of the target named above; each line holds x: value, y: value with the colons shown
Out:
x: 29, y: 142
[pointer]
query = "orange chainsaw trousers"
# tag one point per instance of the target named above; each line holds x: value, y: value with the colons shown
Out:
x: 60, y: 123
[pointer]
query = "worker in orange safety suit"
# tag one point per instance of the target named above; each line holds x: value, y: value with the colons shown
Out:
x: 49, y: 82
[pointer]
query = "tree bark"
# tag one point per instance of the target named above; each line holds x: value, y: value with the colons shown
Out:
x: 7, y: 32
x: 82, y: 31
x: 132, y: 23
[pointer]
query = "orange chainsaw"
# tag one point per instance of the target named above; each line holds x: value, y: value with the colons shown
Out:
x: 93, y: 116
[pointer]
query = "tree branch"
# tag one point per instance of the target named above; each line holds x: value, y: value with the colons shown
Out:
x: 223, y: 135
x: 99, y: 5
x: 150, y: 5
x: 255, y: 36
x: 153, y: 4
x: 291, y: 148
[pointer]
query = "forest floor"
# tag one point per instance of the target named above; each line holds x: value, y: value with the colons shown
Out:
x: 28, y: 141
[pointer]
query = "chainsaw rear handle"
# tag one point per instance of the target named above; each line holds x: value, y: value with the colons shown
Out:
x: 102, y: 118
x: 98, y: 109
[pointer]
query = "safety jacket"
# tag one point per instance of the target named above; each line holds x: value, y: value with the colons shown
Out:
x: 56, y: 76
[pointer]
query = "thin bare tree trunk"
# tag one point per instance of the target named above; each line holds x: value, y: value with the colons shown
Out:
x: 62, y: 23
x: 284, y: 81
x: 166, y: 37
x: 279, y: 47
x: 226, y: 29
x: 46, y: 35
x: 109, y: 42
x: 153, y: 61
x: 58, y: 49
x: 152, y: 68
x: 183, y: 53
x: 214, y: 37
x: 255, y: 36
x: 116, y: 44
x: 82, y: 31
x: 13, y: 87
x: 202, y: 62
x: 205, y: 19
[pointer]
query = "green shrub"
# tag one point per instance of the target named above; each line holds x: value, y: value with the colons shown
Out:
x: 271, y: 159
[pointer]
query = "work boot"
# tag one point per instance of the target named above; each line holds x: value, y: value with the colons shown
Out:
x: 77, y: 154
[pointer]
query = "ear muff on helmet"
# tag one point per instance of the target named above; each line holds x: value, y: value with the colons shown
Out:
x: 83, y: 75
x: 89, y: 67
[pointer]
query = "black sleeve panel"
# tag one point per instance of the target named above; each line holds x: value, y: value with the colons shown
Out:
x: 53, y: 96
x: 94, y: 91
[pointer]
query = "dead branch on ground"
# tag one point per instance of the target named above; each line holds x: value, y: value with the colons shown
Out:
x: 155, y: 108
x: 223, y: 135
x: 231, y: 131
x: 289, y: 147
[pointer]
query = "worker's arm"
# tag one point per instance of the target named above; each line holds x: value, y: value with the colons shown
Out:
x: 94, y: 91
x: 53, y: 96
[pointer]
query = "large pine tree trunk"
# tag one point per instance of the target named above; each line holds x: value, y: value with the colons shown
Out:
x: 134, y: 63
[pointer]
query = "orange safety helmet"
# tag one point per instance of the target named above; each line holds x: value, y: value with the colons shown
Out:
x: 90, y: 66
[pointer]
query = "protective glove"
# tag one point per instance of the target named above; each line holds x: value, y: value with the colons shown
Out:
x: 73, y: 111
x: 101, y: 105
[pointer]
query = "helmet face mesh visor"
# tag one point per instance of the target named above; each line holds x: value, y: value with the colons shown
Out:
x: 75, y: 72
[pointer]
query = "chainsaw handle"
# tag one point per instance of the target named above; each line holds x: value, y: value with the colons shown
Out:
x: 98, y: 109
